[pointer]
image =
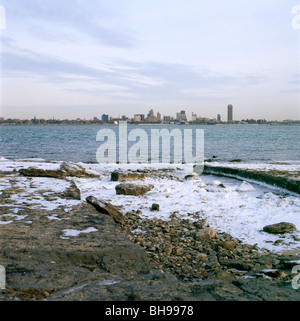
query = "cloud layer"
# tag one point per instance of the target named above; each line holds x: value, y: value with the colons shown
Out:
x: 125, y: 53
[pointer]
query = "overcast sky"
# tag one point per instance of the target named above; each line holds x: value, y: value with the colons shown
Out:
x: 79, y: 58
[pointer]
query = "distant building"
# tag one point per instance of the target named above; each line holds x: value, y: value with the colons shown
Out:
x: 261, y: 121
x: 137, y: 117
x: 153, y: 119
x: 181, y: 116
x: 229, y: 113
x: 158, y: 116
x: 105, y: 118
x: 194, y: 117
x: 219, y: 117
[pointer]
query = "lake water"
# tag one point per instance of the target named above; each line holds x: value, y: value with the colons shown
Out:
x: 77, y: 143
x: 239, y: 208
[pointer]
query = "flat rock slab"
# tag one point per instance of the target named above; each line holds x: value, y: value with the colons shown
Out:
x: 65, y: 170
x: 49, y: 241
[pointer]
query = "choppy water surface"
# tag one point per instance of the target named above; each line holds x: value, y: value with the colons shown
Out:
x: 77, y: 143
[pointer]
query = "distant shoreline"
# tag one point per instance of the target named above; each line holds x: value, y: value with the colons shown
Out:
x: 147, y: 124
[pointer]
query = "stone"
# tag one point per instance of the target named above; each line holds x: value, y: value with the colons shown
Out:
x: 119, y: 176
x: 201, y: 256
x: 65, y: 170
x: 274, y: 273
x: 192, y: 176
x: 74, y: 170
x: 229, y: 245
x: 38, y: 172
x: 222, y: 185
x: 71, y: 192
x: 169, y: 251
x: 179, y: 251
x: 106, y: 208
x: 205, y: 234
x: 133, y: 189
x: 155, y: 207
x: 279, y: 228
x: 237, y: 264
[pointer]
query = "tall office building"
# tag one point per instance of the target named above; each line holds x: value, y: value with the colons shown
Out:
x: 229, y: 113
x: 181, y: 116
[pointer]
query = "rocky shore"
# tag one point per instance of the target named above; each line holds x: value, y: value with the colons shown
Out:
x: 57, y: 244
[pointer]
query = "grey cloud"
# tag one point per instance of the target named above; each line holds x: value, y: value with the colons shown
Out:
x: 64, y: 20
x: 149, y: 80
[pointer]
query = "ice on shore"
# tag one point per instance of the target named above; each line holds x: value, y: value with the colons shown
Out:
x: 237, y: 207
x: 289, y: 166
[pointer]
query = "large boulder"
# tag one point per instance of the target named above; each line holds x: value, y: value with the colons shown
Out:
x: 280, y: 228
x: 133, y: 189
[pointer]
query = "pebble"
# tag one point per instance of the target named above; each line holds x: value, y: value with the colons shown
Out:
x: 191, y: 250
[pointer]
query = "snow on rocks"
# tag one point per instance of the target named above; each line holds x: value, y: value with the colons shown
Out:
x: 233, y: 206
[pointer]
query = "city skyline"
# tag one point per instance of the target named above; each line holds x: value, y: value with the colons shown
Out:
x: 78, y: 59
x: 150, y: 118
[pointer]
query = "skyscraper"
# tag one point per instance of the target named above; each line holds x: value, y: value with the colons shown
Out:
x: 229, y: 113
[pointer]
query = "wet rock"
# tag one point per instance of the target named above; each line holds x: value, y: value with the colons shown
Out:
x: 133, y: 189
x: 106, y: 208
x: 280, y: 228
